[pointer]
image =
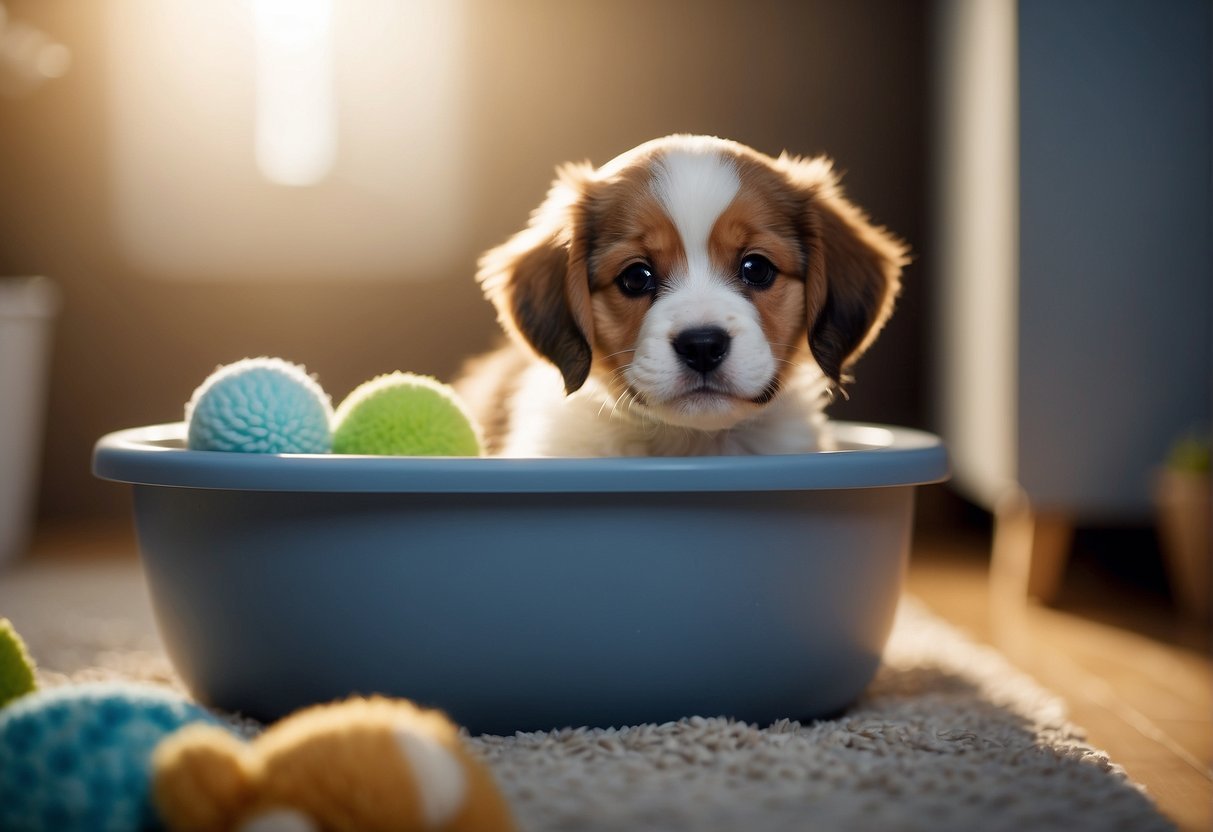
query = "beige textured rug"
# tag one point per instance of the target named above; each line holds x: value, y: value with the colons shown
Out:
x: 948, y: 737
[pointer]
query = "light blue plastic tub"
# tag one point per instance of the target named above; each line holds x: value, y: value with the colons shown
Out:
x: 528, y: 594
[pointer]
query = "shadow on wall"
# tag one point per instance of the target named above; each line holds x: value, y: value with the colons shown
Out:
x: 543, y: 82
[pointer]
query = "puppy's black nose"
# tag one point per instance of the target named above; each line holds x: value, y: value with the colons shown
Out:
x: 703, y: 348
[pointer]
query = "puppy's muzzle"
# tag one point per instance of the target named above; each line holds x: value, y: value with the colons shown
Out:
x: 702, y: 348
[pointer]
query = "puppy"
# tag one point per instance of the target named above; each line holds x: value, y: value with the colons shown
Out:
x: 693, y: 296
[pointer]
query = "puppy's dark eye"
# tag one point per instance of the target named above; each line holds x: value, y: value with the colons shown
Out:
x: 636, y: 280
x: 758, y: 271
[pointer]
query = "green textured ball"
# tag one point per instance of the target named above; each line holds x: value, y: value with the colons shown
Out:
x: 403, y: 414
x: 16, y: 667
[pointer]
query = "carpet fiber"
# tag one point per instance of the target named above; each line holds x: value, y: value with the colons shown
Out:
x: 949, y: 736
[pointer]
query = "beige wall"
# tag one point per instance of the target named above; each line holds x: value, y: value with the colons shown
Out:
x: 549, y: 80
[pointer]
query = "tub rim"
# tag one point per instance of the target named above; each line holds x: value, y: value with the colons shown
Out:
x: 874, y: 456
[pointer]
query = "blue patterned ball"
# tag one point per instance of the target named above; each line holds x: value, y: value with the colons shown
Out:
x: 260, y: 406
x: 78, y: 758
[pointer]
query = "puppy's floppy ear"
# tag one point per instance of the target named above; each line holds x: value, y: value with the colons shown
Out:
x: 854, y: 268
x: 539, y: 279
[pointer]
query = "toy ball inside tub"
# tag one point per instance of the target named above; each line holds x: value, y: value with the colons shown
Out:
x: 523, y: 594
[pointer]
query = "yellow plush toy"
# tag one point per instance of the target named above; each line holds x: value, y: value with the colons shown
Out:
x: 362, y: 764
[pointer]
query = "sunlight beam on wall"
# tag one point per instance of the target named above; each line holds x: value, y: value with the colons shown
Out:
x: 296, y: 124
x: 289, y: 139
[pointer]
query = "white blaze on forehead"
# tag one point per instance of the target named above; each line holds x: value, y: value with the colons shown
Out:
x: 695, y: 183
x: 694, y: 188
x: 441, y: 783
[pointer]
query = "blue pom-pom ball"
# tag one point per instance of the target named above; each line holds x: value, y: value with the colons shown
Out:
x: 78, y: 758
x: 260, y: 406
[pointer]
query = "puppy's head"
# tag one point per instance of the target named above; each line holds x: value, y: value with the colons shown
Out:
x: 691, y: 274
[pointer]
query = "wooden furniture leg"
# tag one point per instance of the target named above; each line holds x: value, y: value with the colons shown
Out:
x: 1031, y: 548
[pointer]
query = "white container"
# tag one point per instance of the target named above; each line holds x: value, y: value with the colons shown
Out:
x: 28, y: 306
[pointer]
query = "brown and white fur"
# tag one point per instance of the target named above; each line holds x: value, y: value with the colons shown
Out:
x: 723, y: 355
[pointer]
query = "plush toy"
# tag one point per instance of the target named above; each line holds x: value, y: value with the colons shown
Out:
x: 361, y: 765
x: 16, y: 667
x: 260, y: 405
x: 78, y: 758
x: 405, y: 415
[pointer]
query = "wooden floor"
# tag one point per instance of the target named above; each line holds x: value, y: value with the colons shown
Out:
x: 1136, y: 676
